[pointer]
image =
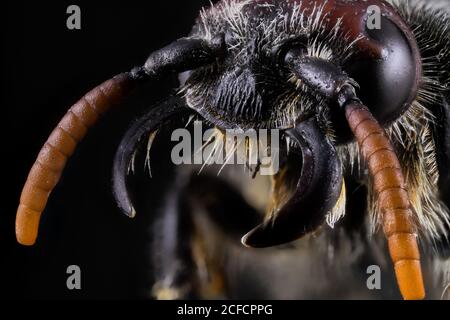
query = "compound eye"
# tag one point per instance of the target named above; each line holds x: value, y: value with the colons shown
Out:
x: 388, y: 80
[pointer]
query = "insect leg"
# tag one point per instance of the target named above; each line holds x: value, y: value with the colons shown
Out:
x: 221, y: 215
x: 200, y: 218
x: 171, y: 254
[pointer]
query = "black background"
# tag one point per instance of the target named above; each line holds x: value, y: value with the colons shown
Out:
x: 45, y: 69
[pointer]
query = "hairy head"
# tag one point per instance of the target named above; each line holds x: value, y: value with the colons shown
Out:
x: 251, y: 87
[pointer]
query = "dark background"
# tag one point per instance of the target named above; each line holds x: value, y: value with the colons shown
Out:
x: 45, y: 69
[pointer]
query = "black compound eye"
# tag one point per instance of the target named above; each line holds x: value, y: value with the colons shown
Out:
x: 388, y: 82
x: 386, y: 66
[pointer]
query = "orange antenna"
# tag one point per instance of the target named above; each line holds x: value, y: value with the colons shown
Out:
x: 60, y: 146
x: 393, y: 199
x: 181, y: 55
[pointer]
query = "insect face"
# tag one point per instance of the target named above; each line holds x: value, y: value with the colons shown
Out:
x: 251, y: 87
x: 315, y: 70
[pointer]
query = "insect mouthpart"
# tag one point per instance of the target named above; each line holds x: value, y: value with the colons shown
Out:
x: 313, y: 195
